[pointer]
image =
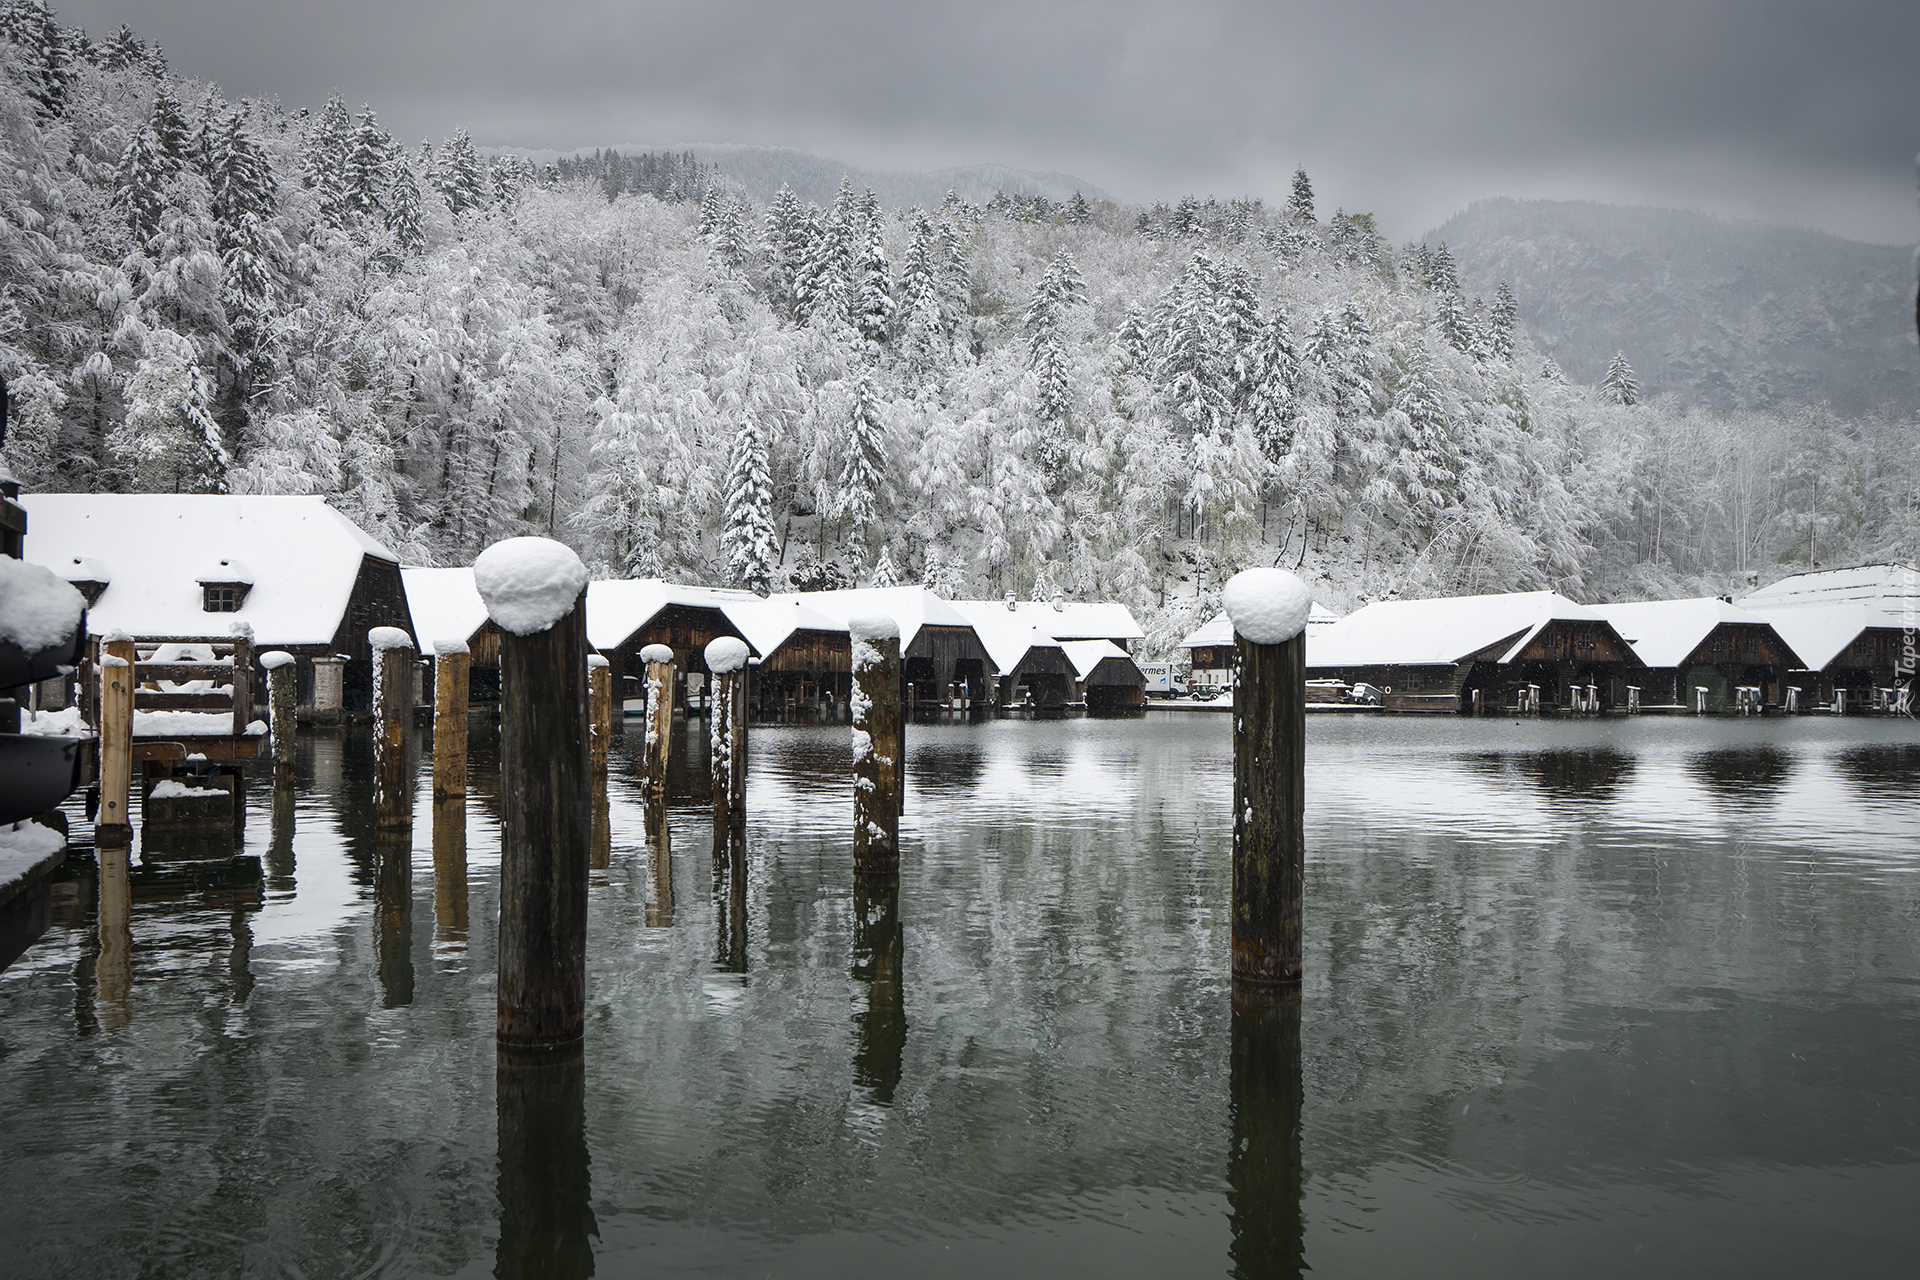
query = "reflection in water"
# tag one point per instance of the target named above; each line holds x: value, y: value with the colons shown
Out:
x: 240, y: 958
x: 600, y: 851
x: 450, y: 868
x: 879, y: 946
x: 1882, y: 771
x: 113, y: 970
x: 545, y: 1187
x: 393, y: 908
x: 1752, y: 773
x: 1263, y: 1161
x: 1593, y: 774
x: 730, y: 897
x: 660, y: 866
x: 279, y: 860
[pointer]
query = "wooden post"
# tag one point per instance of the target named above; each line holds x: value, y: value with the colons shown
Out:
x: 727, y: 727
x: 600, y: 708
x: 1269, y: 611
x: 281, y: 706
x: 452, y: 662
x: 117, y: 677
x: 535, y: 591
x: 878, y: 736
x: 392, y: 715
x: 242, y: 678
x: 659, y: 744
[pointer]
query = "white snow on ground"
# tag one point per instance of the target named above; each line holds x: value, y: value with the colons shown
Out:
x: 385, y: 638
x: 726, y: 653
x: 38, y: 609
x: 1268, y: 606
x: 309, y: 556
x: 24, y: 846
x: 529, y: 583
x: 656, y: 653
x: 274, y: 659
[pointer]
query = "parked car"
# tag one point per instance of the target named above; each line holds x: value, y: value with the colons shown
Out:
x: 1207, y: 692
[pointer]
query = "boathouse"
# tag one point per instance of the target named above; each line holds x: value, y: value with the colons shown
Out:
x: 300, y: 574
x: 1704, y: 655
x: 1030, y: 666
x: 626, y: 615
x: 942, y: 660
x: 1210, y: 649
x: 1532, y: 650
x: 1853, y: 630
x: 805, y: 669
x: 1106, y: 678
x: 446, y: 607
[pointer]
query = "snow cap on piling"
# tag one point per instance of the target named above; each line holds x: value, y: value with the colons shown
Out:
x: 528, y: 584
x: 656, y: 653
x: 597, y: 660
x: 873, y: 626
x: 37, y: 609
x: 1268, y: 606
x: 385, y: 638
x: 274, y: 659
x: 726, y: 653
x: 443, y: 648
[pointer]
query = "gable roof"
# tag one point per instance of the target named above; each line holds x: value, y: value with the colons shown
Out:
x: 1894, y: 587
x: 1664, y: 632
x: 1219, y: 630
x: 1068, y: 620
x: 1007, y: 634
x: 444, y: 604
x: 302, y: 554
x: 618, y: 607
x: 910, y: 607
x: 1440, y: 632
x: 1085, y: 655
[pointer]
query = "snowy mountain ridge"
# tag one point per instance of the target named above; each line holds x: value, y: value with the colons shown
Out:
x: 1718, y: 313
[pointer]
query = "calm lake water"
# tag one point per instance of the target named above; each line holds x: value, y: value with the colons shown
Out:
x: 1583, y: 999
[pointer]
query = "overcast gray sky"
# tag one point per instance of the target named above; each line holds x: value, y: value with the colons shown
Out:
x: 1780, y: 110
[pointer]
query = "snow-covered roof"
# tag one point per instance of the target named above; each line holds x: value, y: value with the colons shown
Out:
x: 1439, y: 632
x: 304, y: 554
x: 1219, y: 630
x: 1070, y: 619
x: 83, y: 569
x: 911, y: 607
x: 1008, y: 635
x: 1085, y: 655
x: 1664, y: 632
x: 1820, y: 614
x: 226, y: 569
x: 1893, y: 587
x: 618, y: 607
x: 444, y: 604
x: 767, y: 624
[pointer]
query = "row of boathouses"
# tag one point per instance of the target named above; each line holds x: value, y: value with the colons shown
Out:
x: 302, y: 577
x: 1838, y: 641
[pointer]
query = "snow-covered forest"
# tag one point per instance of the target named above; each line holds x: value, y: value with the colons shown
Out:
x: 622, y: 352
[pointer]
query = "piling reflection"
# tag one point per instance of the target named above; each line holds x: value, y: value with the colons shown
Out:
x: 730, y: 897
x: 547, y: 1227
x: 240, y: 954
x: 450, y: 868
x: 1263, y: 1162
x: 280, y: 860
x: 659, y: 866
x: 113, y: 968
x: 393, y: 910
x: 879, y: 947
x: 600, y: 851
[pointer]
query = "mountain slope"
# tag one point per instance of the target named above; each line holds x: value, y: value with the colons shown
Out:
x: 1725, y: 314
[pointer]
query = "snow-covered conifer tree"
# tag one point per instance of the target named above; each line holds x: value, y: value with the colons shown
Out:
x: 1500, y: 329
x: 403, y: 208
x: 753, y: 551
x: 323, y: 160
x: 884, y: 574
x: 1619, y: 385
x: 1300, y: 200
x: 169, y: 442
x: 365, y: 178
x: 873, y: 304
x: 864, y: 468
x: 1441, y: 275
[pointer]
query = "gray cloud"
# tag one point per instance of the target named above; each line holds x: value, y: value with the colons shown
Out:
x: 1777, y: 109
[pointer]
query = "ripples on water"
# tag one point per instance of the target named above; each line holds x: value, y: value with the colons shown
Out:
x: 1582, y: 999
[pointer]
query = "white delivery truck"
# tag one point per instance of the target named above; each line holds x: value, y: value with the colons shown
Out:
x: 1164, y: 679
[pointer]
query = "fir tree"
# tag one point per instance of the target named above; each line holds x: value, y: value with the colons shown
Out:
x: 1619, y: 386
x: 753, y: 550
x: 863, y: 472
x: 169, y: 442
x: 123, y: 51
x: 1079, y: 212
x: 1300, y: 202
x: 462, y: 179
x: 366, y: 176
x: 1453, y: 324
x: 873, y: 304
x: 323, y: 160
x: 403, y: 209
x: 789, y: 243
x: 1441, y: 276
x: 1060, y: 289
x: 44, y: 55
x: 884, y: 574
x: 152, y: 159
x: 1505, y: 315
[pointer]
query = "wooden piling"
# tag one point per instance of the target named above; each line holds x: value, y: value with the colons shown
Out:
x: 660, y: 866
x: 451, y: 665
x: 600, y: 711
x: 117, y: 678
x: 392, y: 717
x: 1269, y: 611
x: 878, y: 739
x: 659, y: 740
x: 727, y: 727
x: 535, y: 590
x: 282, y: 707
